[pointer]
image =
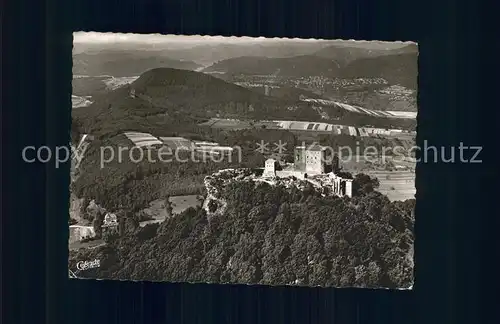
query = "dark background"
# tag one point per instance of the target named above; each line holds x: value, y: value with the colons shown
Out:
x: 453, y: 200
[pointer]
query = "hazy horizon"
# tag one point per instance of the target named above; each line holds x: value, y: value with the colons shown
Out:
x: 97, y: 38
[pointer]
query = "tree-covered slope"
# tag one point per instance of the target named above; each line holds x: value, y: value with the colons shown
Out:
x: 269, y: 235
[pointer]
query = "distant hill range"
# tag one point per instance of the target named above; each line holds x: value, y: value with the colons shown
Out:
x: 397, y: 66
x: 125, y: 63
x: 207, y: 54
x: 344, y: 55
x: 296, y: 66
x: 295, y: 59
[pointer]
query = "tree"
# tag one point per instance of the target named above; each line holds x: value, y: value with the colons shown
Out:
x: 364, y: 184
x: 97, y: 223
x: 168, y: 207
x: 212, y: 205
x: 110, y: 235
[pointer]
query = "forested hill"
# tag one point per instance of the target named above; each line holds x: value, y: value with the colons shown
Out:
x: 268, y: 235
x: 166, y: 93
x: 181, y: 86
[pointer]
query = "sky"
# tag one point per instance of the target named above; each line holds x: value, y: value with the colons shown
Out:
x: 94, y: 37
x: 102, y: 38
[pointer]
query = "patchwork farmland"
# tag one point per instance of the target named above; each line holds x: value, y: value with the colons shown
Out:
x: 234, y: 124
x: 176, y: 143
x: 371, y: 112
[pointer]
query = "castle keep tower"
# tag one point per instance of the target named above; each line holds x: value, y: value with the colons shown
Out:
x: 299, y: 160
x: 311, y: 159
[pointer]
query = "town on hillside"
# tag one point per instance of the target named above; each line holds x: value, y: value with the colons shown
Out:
x: 243, y: 160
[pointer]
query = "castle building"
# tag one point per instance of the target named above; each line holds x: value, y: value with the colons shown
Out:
x: 310, y: 162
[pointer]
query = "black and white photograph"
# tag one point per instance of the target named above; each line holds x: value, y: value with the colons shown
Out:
x: 239, y: 160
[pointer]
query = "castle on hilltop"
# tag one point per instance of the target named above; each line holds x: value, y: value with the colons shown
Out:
x: 315, y: 164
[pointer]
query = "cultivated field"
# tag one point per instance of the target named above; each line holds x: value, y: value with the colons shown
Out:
x: 229, y: 124
x: 396, y: 177
x: 78, y: 102
x: 177, y: 143
x: 156, y: 209
x: 181, y: 203
x: 77, y: 233
x: 142, y: 139
x: 117, y: 82
x: 397, y: 185
x: 404, y: 114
